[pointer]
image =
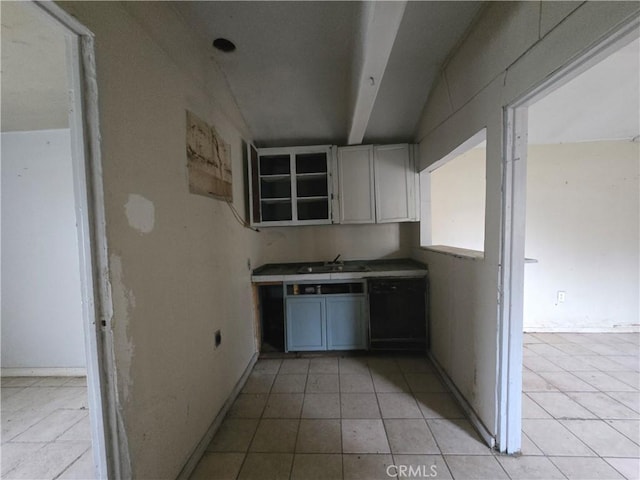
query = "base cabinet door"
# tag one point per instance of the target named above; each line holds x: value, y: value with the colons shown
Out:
x: 346, y: 323
x: 306, y: 324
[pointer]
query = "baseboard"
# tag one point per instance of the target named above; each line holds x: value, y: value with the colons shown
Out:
x: 201, y: 448
x: 466, y: 407
x: 620, y: 329
x: 43, y: 372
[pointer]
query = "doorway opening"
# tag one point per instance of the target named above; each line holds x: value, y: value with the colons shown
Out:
x: 566, y: 179
x: 53, y: 368
x: 580, y: 355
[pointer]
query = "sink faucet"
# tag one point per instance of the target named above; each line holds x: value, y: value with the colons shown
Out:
x: 335, y: 260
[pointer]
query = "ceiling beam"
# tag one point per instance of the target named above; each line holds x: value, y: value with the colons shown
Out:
x: 379, y: 28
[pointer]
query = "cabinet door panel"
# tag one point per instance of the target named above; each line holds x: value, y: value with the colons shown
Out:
x: 254, y: 184
x: 291, y: 186
x: 355, y: 173
x: 394, y: 182
x: 346, y: 323
x: 306, y: 325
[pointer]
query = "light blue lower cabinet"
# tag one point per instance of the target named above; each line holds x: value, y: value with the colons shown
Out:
x: 346, y: 326
x: 326, y: 323
x: 306, y: 324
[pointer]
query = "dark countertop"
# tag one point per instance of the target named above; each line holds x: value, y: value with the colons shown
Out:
x: 389, y: 267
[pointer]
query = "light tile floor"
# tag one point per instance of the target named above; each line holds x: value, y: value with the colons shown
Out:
x: 356, y: 417
x: 361, y: 417
x: 581, y: 403
x: 45, y: 428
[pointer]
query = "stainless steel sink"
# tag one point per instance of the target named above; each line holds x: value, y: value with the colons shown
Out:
x: 338, y: 268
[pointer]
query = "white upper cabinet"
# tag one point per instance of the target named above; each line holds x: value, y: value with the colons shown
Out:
x: 296, y: 185
x: 377, y: 184
x: 290, y: 186
x: 395, y: 183
x: 356, y: 198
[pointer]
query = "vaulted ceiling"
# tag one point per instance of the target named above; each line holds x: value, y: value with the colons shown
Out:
x: 302, y: 71
x: 331, y: 72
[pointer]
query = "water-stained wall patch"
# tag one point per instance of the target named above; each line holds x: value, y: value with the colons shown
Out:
x: 140, y: 213
x: 208, y: 160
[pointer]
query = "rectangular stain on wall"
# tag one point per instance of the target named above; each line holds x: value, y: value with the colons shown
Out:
x: 208, y: 160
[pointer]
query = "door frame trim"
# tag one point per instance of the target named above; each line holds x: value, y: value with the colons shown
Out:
x: 109, y: 446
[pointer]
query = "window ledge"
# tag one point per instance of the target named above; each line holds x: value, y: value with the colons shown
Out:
x: 463, y: 253
x: 455, y: 252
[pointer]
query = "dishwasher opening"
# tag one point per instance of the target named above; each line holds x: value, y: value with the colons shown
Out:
x: 397, y: 313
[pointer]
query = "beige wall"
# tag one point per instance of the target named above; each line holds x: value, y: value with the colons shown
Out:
x: 457, y: 201
x: 178, y: 262
x: 324, y: 242
x: 513, y: 47
x: 583, y: 228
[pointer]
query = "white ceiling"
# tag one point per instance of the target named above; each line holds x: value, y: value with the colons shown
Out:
x: 296, y: 65
x: 602, y: 103
x: 34, y: 75
x: 290, y: 70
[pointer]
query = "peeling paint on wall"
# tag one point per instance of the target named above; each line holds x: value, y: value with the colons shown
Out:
x: 124, y: 302
x: 140, y: 213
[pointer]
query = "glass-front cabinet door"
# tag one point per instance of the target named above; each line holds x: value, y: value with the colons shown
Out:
x: 275, y: 188
x: 291, y: 186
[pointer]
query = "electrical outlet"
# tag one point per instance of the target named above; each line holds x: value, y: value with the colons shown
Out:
x: 562, y: 296
x: 218, y: 338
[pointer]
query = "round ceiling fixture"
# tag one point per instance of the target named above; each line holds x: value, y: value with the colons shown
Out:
x: 224, y: 45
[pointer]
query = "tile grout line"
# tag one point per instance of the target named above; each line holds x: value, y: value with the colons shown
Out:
x: 246, y: 453
x: 77, y: 422
x: 560, y: 418
x: 550, y: 459
x: 435, y: 439
x: 598, y: 388
x: 384, y: 425
x: 636, y: 441
x: 295, y: 441
x: 612, y: 466
x: 72, y: 463
x: 598, y: 418
x: 19, y: 464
